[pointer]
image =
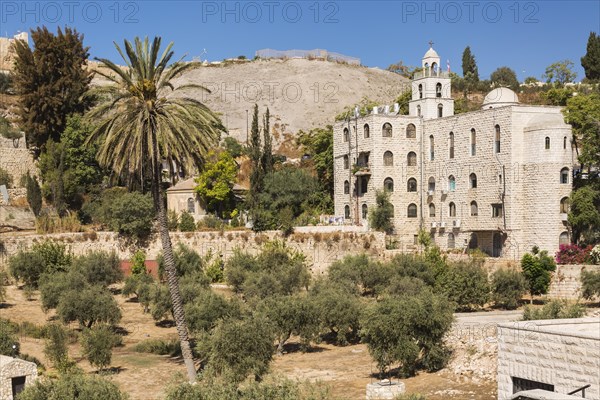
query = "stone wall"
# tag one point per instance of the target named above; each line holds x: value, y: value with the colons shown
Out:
x: 563, y: 353
x: 15, y: 195
x: 320, y: 249
x: 17, y: 161
x: 12, y: 368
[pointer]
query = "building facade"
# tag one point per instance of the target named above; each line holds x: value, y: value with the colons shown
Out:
x: 497, y: 179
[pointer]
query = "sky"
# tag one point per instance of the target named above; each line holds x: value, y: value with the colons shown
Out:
x: 526, y: 36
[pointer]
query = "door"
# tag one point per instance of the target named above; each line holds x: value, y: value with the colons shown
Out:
x: 497, y: 245
x: 18, y: 384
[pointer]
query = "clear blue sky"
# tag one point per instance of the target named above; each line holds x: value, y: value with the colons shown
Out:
x: 526, y: 35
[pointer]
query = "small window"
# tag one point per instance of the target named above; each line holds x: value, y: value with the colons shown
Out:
x: 411, y: 185
x: 387, y: 130
x: 564, y: 175
x: 500, y: 179
x: 474, y: 209
x: 565, y: 205
x: 418, y: 111
x: 497, y: 140
x: 364, y: 184
x: 473, y: 241
x: 420, y: 91
x: 440, y: 110
x: 520, y: 385
x: 411, y: 211
x: 451, y: 183
x: 438, y: 90
x: 431, y: 148
x: 411, y: 159
x: 565, y: 142
x: 547, y: 143
x: 346, y: 135
x: 346, y: 187
x: 451, y: 144
x: 388, y: 159
x: 563, y: 239
x: 365, y: 211
x: 431, y: 184
x: 473, y: 181
x: 411, y: 131
x: 191, y: 206
x: 347, y: 212
x: 388, y: 185
x: 451, y: 243
x: 346, y: 162
x: 497, y: 211
x: 473, y: 142
x: 451, y: 210
x: 432, y: 210
x: 366, y: 131
x: 393, y: 210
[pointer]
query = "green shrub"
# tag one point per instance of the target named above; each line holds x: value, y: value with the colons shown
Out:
x: 44, y: 257
x: 34, y: 194
x: 99, y: 268
x: 55, y: 347
x: 97, y: 344
x: 5, y: 178
x: 554, y: 309
x: 159, y: 346
x: 536, y: 269
x: 590, y: 284
x: 210, y: 222
x: 508, y: 287
x: 88, y: 306
x: 186, y: 222
x: 381, y: 216
x: 9, y: 341
x: 132, y: 214
x: 466, y: 284
x: 172, y: 220
x: 73, y: 387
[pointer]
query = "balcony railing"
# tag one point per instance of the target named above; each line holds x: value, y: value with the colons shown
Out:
x: 428, y: 73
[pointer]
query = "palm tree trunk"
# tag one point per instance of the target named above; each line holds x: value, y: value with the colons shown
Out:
x: 172, y: 280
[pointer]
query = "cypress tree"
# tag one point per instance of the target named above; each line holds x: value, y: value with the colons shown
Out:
x: 469, y: 66
x: 267, y: 153
x: 255, y: 153
x: 34, y: 195
x: 591, y: 61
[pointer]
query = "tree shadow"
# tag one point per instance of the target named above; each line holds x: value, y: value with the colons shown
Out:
x: 295, y: 347
x: 119, y: 330
x: 391, y: 374
x: 115, y: 291
x: 6, y: 305
x: 110, y: 371
x: 165, y: 323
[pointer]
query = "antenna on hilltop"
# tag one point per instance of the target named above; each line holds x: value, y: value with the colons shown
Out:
x: 203, y: 53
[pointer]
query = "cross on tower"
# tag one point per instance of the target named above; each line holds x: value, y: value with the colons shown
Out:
x: 430, y: 44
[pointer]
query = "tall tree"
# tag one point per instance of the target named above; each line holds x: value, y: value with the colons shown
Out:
x: 469, y: 66
x: 51, y: 81
x: 504, y: 76
x: 560, y: 72
x: 255, y: 153
x: 143, y: 119
x: 591, y: 61
x: 267, y: 152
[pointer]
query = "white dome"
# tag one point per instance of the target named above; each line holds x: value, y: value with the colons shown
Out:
x: 546, y: 121
x: 431, y: 53
x: 499, y: 97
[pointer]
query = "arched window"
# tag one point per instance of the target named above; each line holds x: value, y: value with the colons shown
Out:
x: 431, y: 148
x: 451, y: 243
x: 388, y: 159
x: 366, y: 131
x: 365, y: 211
x: 565, y: 205
x: 451, y: 183
x: 473, y: 241
x: 565, y: 142
x: 346, y: 187
x: 411, y: 211
x: 438, y: 90
x: 411, y: 159
x: 346, y: 162
x: 474, y: 209
x: 347, y: 212
x: 418, y: 111
x: 431, y: 184
x: 411, y: 131
x: 440, y: 110
x: 473, y: 180
x: 451, y: 144
x: 497, y: 140
x: 563, y: 239
x: 432, y: 210
x: 346, y: 135
x: 564, y: 175
x: 451, y: 210
x: 420, y: 91
x: 411, y: 186
x: 473, y: 142
x: 547, y: 143
x: 388, y: 185
x: 387, y: 130
x: 191, y: 206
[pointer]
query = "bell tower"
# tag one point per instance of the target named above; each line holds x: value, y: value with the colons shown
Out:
x: 431, y: 96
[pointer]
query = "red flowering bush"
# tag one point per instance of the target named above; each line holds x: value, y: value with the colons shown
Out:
x: 573, y: 254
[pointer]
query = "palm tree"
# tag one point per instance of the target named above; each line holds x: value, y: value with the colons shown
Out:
x: 142, y: 120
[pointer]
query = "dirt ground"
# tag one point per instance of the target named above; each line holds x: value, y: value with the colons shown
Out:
x: 346, y: 370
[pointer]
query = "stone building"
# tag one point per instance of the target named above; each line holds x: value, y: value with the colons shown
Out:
x: 556, y: 356
x: 497, y: 179
x: 15, y: 374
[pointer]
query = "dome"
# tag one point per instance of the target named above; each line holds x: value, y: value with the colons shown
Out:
x: 500, y: 97
x: 431, y: 53
x: 546, y: 121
